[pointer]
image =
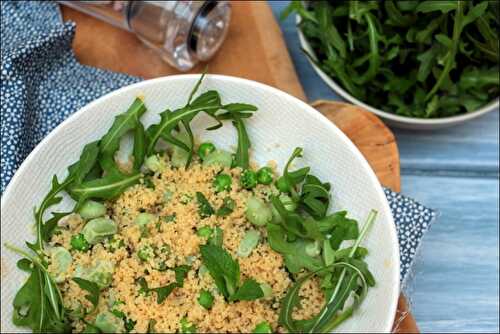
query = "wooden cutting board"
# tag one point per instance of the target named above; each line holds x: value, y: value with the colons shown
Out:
x: 254, y: 49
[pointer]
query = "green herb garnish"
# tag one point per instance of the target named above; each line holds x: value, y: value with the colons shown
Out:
x: 163, y: 292
x: 204, y: 208
x: 92, y: 288
x: 226, y: 273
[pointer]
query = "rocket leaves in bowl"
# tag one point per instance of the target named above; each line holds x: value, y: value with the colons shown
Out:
x: 423, y: 59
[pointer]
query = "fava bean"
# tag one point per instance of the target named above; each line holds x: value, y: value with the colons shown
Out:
x: 218, y: 157
x: 143, y: 219
x: 61, y: 260
x: 267, y: 290
x: 313, y: 248
x: 258, y: 212
x: 98, y: 229
x: 107, y: 322
x: 248, y: 243
x: 92, y: 209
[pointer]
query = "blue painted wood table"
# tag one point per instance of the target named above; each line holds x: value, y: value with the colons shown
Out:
x: 455, y: 171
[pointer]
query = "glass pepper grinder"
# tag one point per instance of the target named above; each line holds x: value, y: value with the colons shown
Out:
x: 182, y: 32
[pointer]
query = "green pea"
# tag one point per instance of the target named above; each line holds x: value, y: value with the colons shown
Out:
x: 313, y: 248
x: 205, y: 149
x: 265, y: 175
x: 222, y: 182
x: 258, y: 212
x: 282, y: 185
x: 187, y: 327
x: 248, y: 243
x: 153, y: 163
x: 98, y: 229
x: 206, y: 299
x: 180, y: 156
x: 267, y: 290
x: 79, y: 243
x: 218, y: 157
x: 107, y: 322
x: 262, y: 328
x: 145, y: 253
x: 248, y: 179
x: 92, y: 209
x: 205, y: 232
x: 143, y: 219
x: 61, y: 261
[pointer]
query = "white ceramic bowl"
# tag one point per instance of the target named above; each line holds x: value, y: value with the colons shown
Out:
x: 281, y: 124
x: 389, y: 118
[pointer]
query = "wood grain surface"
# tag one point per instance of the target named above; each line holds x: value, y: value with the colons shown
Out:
x: 255, y: 50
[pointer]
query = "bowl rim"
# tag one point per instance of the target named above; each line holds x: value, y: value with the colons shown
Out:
x: 490, y: 106
x: 303, y: 106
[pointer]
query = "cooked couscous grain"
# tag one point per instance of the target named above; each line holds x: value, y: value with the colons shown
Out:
x: 178, y: 237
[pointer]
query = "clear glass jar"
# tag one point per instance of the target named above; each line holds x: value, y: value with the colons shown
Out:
x: 182, y: 32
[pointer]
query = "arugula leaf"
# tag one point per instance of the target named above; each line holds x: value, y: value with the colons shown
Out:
x: 394, y: 46
x: 88, y: 158
x: 293, y: 252
x: 140, y: 143
x: 123, y: 123
x: 208, y: 102
x: 249, y: 290
x: 353, y: 280
x: 107, y: 187
x: 315, y: 197
x: 92, y: 288
x: 237, y: 112
x: 38, y: 304
x: 292, y: 179
x: 44, y: 230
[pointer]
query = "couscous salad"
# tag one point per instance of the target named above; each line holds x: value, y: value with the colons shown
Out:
x: 189, y: 238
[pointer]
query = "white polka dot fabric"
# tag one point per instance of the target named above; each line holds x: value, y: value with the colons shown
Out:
x: 42, y: 84
x: 41, y: 81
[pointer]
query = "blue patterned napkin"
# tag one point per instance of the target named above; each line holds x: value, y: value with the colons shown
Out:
x: 42, y: 83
